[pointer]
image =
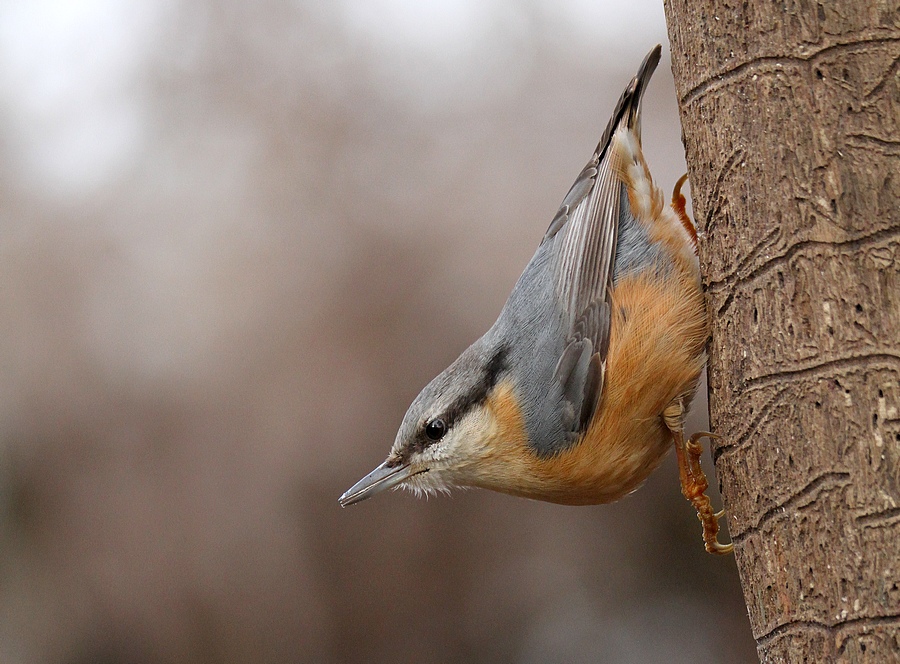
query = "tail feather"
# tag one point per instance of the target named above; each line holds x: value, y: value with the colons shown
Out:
x: 628, y: 109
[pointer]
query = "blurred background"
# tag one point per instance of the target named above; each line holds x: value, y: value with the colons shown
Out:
x: 236, y: 239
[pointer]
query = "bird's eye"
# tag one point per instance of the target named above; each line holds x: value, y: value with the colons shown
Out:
x: 436, y: 429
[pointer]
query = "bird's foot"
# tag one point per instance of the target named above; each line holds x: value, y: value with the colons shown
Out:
x: 694, y: 485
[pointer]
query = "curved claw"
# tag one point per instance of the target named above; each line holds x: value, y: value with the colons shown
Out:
x: 711, y: 535
x: 719, y: 549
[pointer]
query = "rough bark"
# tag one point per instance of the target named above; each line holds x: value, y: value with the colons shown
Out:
x: 791, y: 120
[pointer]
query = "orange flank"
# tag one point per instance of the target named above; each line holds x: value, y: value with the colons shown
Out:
x: 627, y: 438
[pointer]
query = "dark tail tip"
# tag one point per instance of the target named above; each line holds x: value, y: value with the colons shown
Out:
x: 638, y: 84
x: 628, y: 109
x: 648, y: 66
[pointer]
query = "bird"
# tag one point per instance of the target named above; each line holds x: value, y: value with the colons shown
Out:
x: 581, y: 386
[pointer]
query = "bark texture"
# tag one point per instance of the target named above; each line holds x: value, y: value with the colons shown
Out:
x: 791, y: 121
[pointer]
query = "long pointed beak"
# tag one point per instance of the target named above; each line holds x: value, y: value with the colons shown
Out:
x: 383, y: 477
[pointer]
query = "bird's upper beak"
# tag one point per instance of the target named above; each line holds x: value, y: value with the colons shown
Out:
x: 383, y: 477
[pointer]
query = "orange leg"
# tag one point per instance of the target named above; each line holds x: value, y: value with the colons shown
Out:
x: 694, y: 485
x: 678, y: 204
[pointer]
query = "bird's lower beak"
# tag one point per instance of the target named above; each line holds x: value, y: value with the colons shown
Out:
x: 383, y: 477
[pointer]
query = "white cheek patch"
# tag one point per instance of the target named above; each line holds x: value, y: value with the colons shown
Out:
x: 432, y: 453
x: 426, y: 484
x: 443, y: 464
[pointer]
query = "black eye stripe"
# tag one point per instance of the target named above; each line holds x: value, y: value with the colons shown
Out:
x: 480, y: 390
x: 428, y: 434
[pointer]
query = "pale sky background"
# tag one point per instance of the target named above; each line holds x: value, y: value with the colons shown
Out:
x: 71, y: 69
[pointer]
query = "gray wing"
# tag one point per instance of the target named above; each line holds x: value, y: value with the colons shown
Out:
x: 585, y: 232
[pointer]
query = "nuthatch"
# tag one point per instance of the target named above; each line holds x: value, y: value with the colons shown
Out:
x: 579, y: 389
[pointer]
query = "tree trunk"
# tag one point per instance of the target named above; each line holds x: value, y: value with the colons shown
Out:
x: 791, y: 120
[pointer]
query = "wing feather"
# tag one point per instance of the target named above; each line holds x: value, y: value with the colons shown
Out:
x: 585, y: 232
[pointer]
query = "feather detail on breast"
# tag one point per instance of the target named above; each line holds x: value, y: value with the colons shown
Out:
x: 658, y: 327
x: 658, y: 333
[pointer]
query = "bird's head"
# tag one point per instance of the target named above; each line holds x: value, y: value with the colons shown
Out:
x: 446, y: 432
